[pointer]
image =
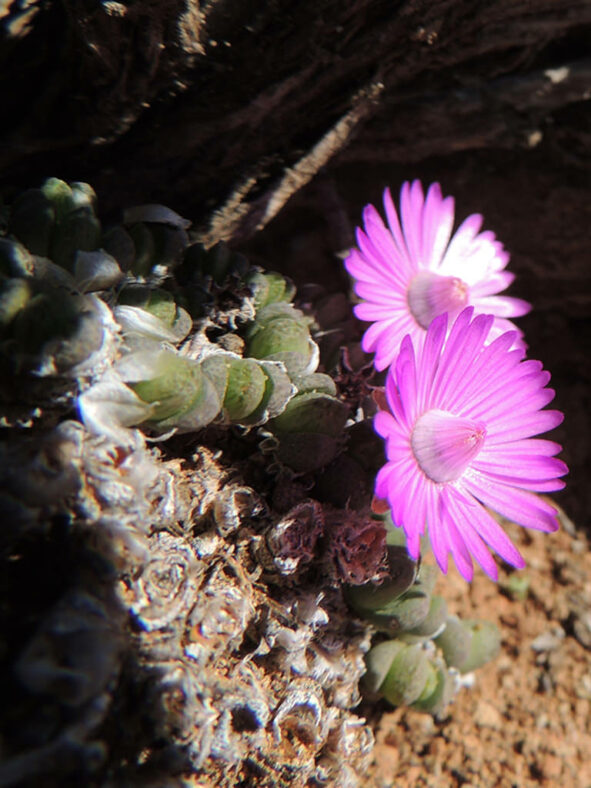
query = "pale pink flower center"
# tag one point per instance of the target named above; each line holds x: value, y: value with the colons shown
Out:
x: 430, y: 295
x: 444, y: 444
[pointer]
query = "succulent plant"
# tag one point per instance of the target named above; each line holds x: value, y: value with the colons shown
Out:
x: 269, y: 287
x: 467, y: 645
x: 281, y: 333
x: 56, y: 221
x: 151, y: 312
x: 191, y: 548
x: 410, y: 675
x: 213, y: 286
x: 149, y: 236
x: 310, y: 431
x: 416, y: 666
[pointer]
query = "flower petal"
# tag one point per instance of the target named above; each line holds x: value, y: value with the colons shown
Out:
x: 520, y: 506
x: 460, y: 511
x: 459, y: 438
x: 466, y: 267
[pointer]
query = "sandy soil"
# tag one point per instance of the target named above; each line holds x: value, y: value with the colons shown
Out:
x: 527, y: 719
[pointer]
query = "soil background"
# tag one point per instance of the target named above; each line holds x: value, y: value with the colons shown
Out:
x: 526, y: 721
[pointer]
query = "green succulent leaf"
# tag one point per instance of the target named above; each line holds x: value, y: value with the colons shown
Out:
x: 145, y: 249
x: 433, y: 622
x: 409, y: 677
x: 397, y: 605
x: 374, y: 598
x: 306, y: 452
x: 316, y: 381
x: 312, y: 412
x: 269, y: 287
x: 455, y: 642
x: 247, y: 383
x: 437, y: 693
x: 378, y: 663
x: 485, y: 645
x: 467, y: 645
x: 60, y: 196
x: 175, y: 389
x: 14, y: 296
x: 78, y: 230
x: 119, y: 243
x: 157, y: 301
x: 55, y: 331
x: 279, y: 337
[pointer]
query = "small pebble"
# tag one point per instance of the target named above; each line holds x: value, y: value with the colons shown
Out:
x: 582, y: 629
x: 550, y: 640
x: 487, y: 716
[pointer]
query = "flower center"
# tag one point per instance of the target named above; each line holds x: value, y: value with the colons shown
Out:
x: 430, y: 295
x: 444, y: 444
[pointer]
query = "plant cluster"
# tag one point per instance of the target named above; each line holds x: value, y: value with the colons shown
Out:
x: 188, y: 467
x: 462, y: 403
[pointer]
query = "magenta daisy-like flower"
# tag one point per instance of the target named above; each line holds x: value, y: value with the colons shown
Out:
x: 459, y: 438
x: 410, y: 272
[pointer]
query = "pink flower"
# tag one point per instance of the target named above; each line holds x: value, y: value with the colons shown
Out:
x: 459, y: 437
x: 407, y: 275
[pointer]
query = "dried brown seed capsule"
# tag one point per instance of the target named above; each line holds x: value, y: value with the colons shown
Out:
x: 292, y: 541
x: 357, y: 547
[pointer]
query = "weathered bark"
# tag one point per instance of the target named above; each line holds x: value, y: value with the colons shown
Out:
x: 226, y: 109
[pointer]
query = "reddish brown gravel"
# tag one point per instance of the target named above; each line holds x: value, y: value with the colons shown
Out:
x: 527, y: 720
